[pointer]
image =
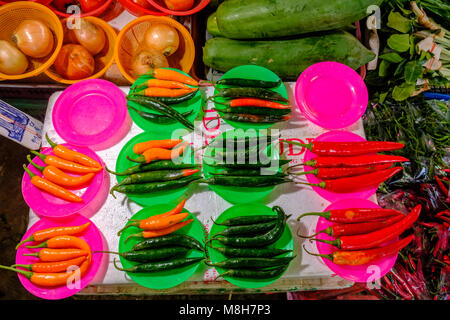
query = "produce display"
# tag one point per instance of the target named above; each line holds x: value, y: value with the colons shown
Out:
x: 62, y: 249
x: 285, y: 82
x: 57, y: 178
x: 253, y: 250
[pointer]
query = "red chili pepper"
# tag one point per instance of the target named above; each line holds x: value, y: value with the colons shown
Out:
x: 375, y: 238
x: 354, y: 215
x: 335, y: 173
x: 352, y: 184
x: 329, y: 148
x: 348, y: 229
x: 360, y: 257
x: 441, y: 185
x: 356, y: 161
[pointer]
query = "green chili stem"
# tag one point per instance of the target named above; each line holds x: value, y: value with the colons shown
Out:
x: 30, y: 238
x: 132, y: 224
x: 327, y: 256
x: 308, y: 146
x: 28, y: 171
x: 52, y: 144
x: 325, y: 215
x: 41, y: 245
x: 27, y: 274
x: 40, y: 168
x: 40, y: 155
x: 26, y: 266
x: 118, y: 268
x: 335, y: 243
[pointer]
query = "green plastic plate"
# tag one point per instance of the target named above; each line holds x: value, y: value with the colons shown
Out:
x: 237, y: 195
x: 169, y: 278
x: 256, y: 73
x: 285, y: 242
x: 193, y: 104
x: 147, y: 199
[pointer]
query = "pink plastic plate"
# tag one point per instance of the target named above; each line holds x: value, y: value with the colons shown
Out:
x: 369, y: 272
x: 333, y: 196
x: 46, y: 205
x: 96, y: 272
x: 331, y: 95
x: 92, y: 113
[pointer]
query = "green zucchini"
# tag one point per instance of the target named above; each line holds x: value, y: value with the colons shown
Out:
x: 262, y: 19
x: 211, y: 26
x: 287, y: 58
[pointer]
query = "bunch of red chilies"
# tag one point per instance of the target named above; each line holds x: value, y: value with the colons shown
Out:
x: 422, y: 269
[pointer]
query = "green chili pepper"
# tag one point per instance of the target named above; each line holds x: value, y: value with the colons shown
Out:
x: 160, y: 175
x: 154, y: 254
x: 254, y: 111
x: 153, y: 166
x: 260, y: 93
x: 158, y: 118
x: 153, y: 186
x: 246, y: 181
x: 245, y: 172
x: 169, y: 240
x: 247, y: 220
x: 252, y: 263
x: 256, y: 165
x: 250, y: 252
x: 160, y: 265
x: 161, y: 108
x: 177, y: 100
x: 260, y: 240
x: 247, y: 229
x: 245, y: 83
x: 254, y: 274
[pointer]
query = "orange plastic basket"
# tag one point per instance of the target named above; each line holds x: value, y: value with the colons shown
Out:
x: 12, y: 14
x: 103, y: 60
x: 93, y: 13
x: 129, y: 42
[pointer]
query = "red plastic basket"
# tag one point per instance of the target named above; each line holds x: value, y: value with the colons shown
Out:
x: 94, y: 13
x: 139, y: 11
x: 198, y: 5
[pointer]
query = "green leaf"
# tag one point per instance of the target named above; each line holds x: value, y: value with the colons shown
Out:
x: 399, y: 42
x: 383, y: 96
x: 413, y: 71
x: 383, y: 69
x: 403, y: 91
x: 398, y: 22
x: 400, y: 68
x: 392, y: 57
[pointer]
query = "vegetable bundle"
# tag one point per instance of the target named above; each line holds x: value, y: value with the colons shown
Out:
x: 247, y: 246
x: 161, y: 93
x: 350, y: 166
x: 250, y: 100
x: 362, y: 242
x: 156, y: 169
x: 55, y: 180
x: 62, y: 249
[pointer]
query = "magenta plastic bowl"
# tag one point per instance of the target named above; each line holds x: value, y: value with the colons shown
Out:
x: 46, y: 205
x: 369, y: 272
x: 331, y: 95
x: 92, y: 113
x: 328, y: 195
x: 95, y: 273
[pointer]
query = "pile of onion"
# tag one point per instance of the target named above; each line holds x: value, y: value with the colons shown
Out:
x: 31, y: 39
x: 83, y: 42
x: 160, y: 41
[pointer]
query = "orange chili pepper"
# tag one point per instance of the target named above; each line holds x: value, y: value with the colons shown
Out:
x: 52, y: 188
x: 158, y: 223
x: 168, y: 74
x: 153, y: 154
x: 253, y: 102
x: 61, y: 178
x: 163, y: 92
x: 64, y: 241
x: 170, y: 84
x: 161, y: 232
x: 140, y: 147
x: 175, y: 210
x: 48, y: 233
x: 52, y: 279
x: 71, y: 155
x: 57, y: 266
x: 52, y: 255
x: 65, y: 165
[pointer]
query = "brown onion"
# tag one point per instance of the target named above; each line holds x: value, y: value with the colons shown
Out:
x: 12, y: 60
x: 33, y: 38
x: 162, y: 38
x: 90, y: 36
x: 146, y: 60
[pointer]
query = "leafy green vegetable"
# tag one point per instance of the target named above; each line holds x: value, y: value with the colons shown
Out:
x: 392, y: 57
x: 399, y: 42
x: 413, y: 71
x: 403, y: 91
x: 398, y: 22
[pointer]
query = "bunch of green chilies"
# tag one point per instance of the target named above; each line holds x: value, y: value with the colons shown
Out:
x: 246, y: 244
x: 248, y: 100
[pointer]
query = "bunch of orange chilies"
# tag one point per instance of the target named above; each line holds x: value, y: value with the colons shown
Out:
x: 55, y: 180
x: 160, y: 224
x: 63, y: 254
x: 153, y: 150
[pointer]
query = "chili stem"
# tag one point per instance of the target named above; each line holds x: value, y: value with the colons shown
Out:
x: 27, y: 274
x: 327, y: 256
x: 40, y: 168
